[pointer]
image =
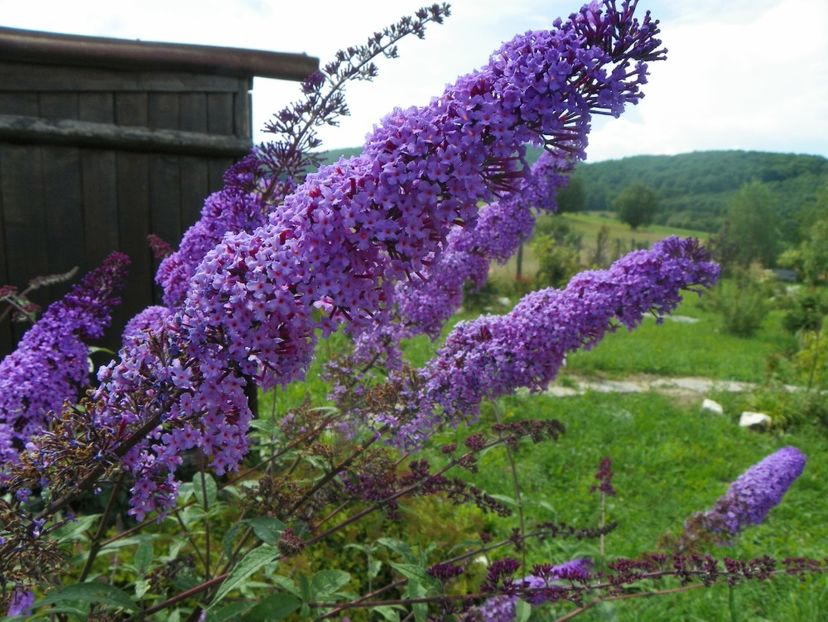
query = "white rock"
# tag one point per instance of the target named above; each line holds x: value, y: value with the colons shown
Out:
x: 712, y: 407
x: 504, y: 301
x: 754, y: 420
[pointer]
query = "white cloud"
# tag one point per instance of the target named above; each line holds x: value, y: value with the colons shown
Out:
x: 742, y: 80
x: 747, y: 74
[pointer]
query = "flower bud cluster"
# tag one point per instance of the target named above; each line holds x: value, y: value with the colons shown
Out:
x: 50, y: 363
x: 494, y: 355
x: 750, y: 498
x: 333, y: 252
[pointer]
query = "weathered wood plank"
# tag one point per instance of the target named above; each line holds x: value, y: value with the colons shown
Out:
x: 24, y: 218
x: 192, y: 112
x: 33, y: 129
x: 98, y: 178
x: 65, y: 238
x: 220, y: 113
x: 194, y: 173
x: 58, y: 105
x: 163, y: 111
x: 5, y: 325
x: 131, y: 109
x: 215, y: 172
x: 16, y: 76
x: 165, y: 199
x: 194, y: 189
x: 100, y: 204
x: 19, y: 103
x: 133, y: 227
x: 243, y: 109
x: 96, y: 107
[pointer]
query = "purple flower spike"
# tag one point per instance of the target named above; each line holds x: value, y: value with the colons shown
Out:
x: 50, y: 362
x: 756, y: 492
x: 494, y: 355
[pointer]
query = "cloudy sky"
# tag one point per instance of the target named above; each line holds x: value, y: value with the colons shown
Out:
x: 753, y: 75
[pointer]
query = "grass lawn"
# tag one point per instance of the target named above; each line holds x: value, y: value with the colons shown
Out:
x: 683, y: 349
x: 669, y: 462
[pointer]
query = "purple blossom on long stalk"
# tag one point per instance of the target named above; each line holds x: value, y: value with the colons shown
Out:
x: 259, y: 183
x: 755, y: 492
x: 335, y: 249
x: 50, y: 364
x: 494, y: 355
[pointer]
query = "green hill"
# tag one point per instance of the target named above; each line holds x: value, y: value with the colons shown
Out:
x: 694, y: 188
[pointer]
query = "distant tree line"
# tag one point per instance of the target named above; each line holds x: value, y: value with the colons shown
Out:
x: 694, y: 189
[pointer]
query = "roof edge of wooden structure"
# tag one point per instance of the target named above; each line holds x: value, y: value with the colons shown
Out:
x: 52, y: 48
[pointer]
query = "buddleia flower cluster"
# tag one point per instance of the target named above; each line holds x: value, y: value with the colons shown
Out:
x: 259, y: 182
x: 493, y: 355
x: 333, y: 252
x: 50, y: 364
x: 750, y: 497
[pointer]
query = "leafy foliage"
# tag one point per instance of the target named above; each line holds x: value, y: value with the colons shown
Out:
x: 636, y: 205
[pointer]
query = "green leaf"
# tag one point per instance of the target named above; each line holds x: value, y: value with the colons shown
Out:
x: 142, y: 586
x: 416, y: 590
x: 143, y: 557
x: 253, y: 561
x: 522, y: 611
x: 415, y: 573
x: 398, y: 546
x: 209, y: 486
x: 92, y: 592
x: 227, y: 540
x: 505, y: 500
x: 76, y: 529
x: 274, y: 607
x: 286, y: 584
x: 373, y: 568
x: 389, y: 613
x: 119, y: 544
x: 327, y: 582
x: 233, y: 611
x: 267, y: 529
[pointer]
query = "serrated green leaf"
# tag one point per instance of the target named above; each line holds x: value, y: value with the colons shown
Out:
x: 304, y: 589
x: 413, y: 572
x: 119, y: 544
x: 522, y: 611
x: 76, y: 529
x: 505, y: 500
x: 389, y: 613
x: 327, y: 582
x: 399, y: 547
x: 141, y: 587
x: 274, y: 607
x: 91, y: 592
x: 233, y: 611
x: 267, y: 529
x: 143, y: 557
x: 286, y: 584
x: 227, y: 540
x: 373, y: 568
x: 253, y: 561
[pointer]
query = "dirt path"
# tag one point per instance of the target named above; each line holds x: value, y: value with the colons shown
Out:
x: 685, y: 387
